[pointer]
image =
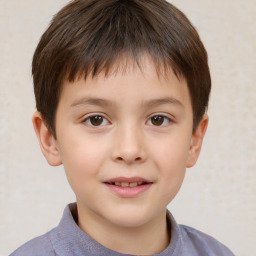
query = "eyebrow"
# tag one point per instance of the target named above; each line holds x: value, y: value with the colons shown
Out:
x: 145, y: 104
x: 162, y: 101
x: 91, y: 101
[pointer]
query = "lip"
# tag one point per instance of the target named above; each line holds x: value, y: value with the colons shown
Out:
x: 128, y: 180
x: 128, y: 192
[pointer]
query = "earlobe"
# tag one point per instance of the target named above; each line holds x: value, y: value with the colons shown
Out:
x: 196, y: 141
x: 46, y: 140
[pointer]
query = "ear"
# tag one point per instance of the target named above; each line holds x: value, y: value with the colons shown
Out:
x: 47, y: 141
x: 196, y: 141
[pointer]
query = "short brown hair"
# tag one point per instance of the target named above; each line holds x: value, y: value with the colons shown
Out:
x: 89, y: 36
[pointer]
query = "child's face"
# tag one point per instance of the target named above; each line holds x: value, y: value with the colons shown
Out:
x: 128, y: 129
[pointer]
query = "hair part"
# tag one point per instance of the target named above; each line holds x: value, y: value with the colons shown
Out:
x: 88, y: 37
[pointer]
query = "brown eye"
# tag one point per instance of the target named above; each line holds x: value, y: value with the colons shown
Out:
x: 159, y: 120
x: 96, y: 120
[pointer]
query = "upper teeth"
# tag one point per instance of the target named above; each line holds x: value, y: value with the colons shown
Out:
x: 128, y: 184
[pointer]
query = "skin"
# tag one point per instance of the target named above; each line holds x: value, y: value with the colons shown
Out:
x: 127, y: 143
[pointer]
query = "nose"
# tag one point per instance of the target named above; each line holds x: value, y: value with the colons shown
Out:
x: 129, y: 146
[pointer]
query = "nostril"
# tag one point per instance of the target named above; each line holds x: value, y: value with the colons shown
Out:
x: 137, y: 159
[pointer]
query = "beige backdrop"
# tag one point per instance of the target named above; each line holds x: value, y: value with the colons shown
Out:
x: 218, y: 195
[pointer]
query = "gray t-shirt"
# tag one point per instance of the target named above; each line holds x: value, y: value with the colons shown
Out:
x: 67, y: 239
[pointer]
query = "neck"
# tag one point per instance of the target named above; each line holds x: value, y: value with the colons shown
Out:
x: 147, y: 239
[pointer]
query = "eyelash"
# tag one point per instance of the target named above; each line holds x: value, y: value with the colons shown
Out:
x: 166, y: 120
x: 88, y: 120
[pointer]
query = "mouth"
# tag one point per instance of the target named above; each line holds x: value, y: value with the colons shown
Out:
x: 128, y: 187
x: 127, y: 184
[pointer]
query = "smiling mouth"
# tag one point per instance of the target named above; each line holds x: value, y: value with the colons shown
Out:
x: 128, y: 187
x: 128, y: 184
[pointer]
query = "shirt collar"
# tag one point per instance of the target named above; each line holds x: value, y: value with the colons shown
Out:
x: 68, y: 239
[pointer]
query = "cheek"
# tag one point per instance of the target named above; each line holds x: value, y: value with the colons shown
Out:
x: 170, y: 158
x: 171, y: 154
x: 82, y: 160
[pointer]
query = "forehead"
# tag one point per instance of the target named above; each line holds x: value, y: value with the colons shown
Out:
x: 128, y: 80
x: 125, y: 63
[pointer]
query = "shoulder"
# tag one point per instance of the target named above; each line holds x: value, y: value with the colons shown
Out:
x: 39, y: 246
x: 195, y: 240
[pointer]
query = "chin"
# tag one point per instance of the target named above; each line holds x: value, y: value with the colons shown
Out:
x: 130, y: 218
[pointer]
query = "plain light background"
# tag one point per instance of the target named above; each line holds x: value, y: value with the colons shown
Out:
x: 218, y: 195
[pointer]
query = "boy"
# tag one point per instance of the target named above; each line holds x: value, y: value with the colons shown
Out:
x: 122, y: 89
